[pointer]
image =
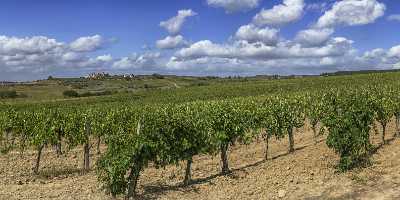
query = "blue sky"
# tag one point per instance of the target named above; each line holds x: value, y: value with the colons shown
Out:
x: 213, y: 37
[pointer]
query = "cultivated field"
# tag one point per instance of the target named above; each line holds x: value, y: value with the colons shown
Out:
x: 202, y: 138
x: 308, y: 173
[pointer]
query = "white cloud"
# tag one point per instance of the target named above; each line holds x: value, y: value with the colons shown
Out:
x: 174, y: 25
x: 72, y: 56
x: 351, y: 13
x: 289, y: 11
x: 251, y: 33
x: 374, y: 53
x: 394, y: 52
x: 259, y: 51
x: 40, y: 54
x: 234, y: 66
x: 105, y: 58
x: 287, y: 57
x: 380, y: 58
x: 209, y: 65
x: 350, y: 60
x: 171, y: 42
x: 85, y: 44
x: 32, y: 53
x: 321, y: 7
x: 395, y: 17
x: 232, y: 6
x: 32, y: 45
x: 396, y: 66
x: 138, y: 61
x: 313, y: 37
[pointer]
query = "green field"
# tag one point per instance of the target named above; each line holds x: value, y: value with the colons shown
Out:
x: 181, y: 89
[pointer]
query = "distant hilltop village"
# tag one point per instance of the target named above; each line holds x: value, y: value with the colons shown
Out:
x: 97, y: 76
x: 103, y: 75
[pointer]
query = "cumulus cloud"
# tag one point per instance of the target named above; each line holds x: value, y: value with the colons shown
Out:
x: 349, y: 60
x: 321, y: 7
x: 105, y: 58
x: 244, y: 50
x: 174, y: 25
x: 28, y: 45
x: 313, y: 37
x: 394, y: 52
x: 381, y: 58
x: 146, y: 60
x: 171, y: 42
x: 287, y: 12
x: 351, y: 13
x: 234, y: 66
x: 300, y: 56
x: 210, y: 65
x: 395, y: 17
x: 72, y: 56
x: 89, y: 43
x: 251, y: 33
x: 232, y: 6
x: 17, y: 54
x: 38, y: 54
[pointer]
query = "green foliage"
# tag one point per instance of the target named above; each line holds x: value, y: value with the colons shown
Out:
x: 158, y: 76
x: 348, y: 119
x: 314, y: 108
x: 70, y: 93
x: 383, y: 105
x: 229, y: 120
x: 286, y: 114
x: 8, y: 94
x: 91, y: 94
x: 186, y: 130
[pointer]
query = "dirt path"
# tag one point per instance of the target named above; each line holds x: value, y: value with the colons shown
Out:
x: 308, y: 173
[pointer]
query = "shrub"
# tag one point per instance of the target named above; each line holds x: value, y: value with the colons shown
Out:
x: 102, y: 93
x: 158, y: 76
x: 200, y: 83
x: 70, y: 93
x: 81, y: 85
x: 8, y: 94
x: 348, y: 120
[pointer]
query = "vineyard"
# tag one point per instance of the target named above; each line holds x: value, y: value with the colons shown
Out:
x: 164, y: 128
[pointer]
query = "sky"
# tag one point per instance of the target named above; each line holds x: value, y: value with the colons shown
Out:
x: 66, y: 38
